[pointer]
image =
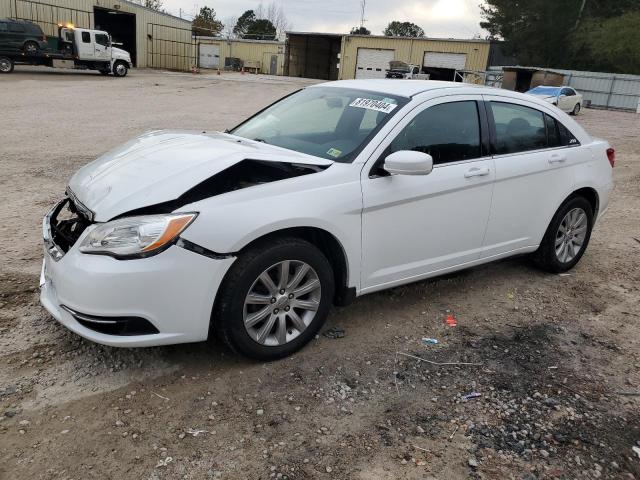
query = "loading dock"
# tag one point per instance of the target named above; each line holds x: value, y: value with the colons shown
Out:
x: 121, y: 26
x: 313, y: 55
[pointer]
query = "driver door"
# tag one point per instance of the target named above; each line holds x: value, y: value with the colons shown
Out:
x: 102, y: 47
x: 418, y: 226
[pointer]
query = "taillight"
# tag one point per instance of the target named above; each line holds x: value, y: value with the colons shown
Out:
x: 611, y: 155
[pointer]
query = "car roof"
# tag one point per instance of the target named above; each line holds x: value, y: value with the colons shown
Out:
x: 403, y: 88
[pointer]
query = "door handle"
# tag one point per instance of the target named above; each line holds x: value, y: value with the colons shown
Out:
x: 476, y: 172
x: 557, y: 158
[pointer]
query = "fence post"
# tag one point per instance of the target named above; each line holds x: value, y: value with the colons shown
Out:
x: 613, y: 82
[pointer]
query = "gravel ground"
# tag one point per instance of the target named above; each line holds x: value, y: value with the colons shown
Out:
x: 555, y: 358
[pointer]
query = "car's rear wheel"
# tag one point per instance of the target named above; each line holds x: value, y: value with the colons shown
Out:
x: 567, y: 236
x: 274, y: 299
x: 6, y: 65
x: 30, y: 48
x: 576, y: 109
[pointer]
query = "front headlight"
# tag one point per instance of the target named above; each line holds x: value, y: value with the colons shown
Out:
x: 136, y: 237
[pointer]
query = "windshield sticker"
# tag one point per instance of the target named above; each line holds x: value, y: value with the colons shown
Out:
x: 370, y: 104
x: 334, y: 152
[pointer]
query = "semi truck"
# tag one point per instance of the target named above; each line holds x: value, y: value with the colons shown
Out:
x: 75, y: 48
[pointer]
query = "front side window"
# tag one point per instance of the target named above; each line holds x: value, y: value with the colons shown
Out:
x: 17, y: 28
x: 518, y: 128
x: 449, y: 132
x: 86, y: 37
x: 102, y: 39
x: 328, y: 122
x: 3, y: 27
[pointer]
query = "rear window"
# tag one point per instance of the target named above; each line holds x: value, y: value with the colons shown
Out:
x: 86, y: 37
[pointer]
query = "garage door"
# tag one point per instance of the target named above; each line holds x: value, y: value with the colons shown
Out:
x: 372, y: 62
x: 209, y: 56
x: 454, y: 61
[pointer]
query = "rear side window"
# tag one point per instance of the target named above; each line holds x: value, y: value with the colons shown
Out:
x: 3, y: 27
x: 567, y: 138
x: 553, y: 134
x: 86, y: 37
x: 518, y: 128
x: 16, y: 27
x: 449, y: 132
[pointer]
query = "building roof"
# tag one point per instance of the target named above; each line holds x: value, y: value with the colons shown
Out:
x: 432, y: 39
x: 138, y: 5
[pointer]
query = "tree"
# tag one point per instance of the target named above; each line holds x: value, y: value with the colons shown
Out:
x: 275, y: 14
x: 403, y: 29
x: 546, y: 33
x: 244, y: 22
x: 261, y: 29
x: 205, y: 23
x: 360, y: 31
x: 154, y: 5
x: 611, y: 45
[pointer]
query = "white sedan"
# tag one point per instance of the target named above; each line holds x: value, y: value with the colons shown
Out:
x: 565, y: 98
x: 338, y: 190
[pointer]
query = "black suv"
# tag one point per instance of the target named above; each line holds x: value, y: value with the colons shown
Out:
x: 20, y: 35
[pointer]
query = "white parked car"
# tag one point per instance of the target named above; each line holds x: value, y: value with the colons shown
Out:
x: 565, y: 98
x: 338, y: 190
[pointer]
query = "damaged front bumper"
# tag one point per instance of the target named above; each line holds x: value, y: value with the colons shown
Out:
x: 160, y: 300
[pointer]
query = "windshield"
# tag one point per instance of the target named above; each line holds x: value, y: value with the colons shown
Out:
x: 551, y: 91
x: 328, y: 122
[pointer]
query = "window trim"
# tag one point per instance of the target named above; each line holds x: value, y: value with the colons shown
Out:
x: 494, y: 136
x: 403, y: 122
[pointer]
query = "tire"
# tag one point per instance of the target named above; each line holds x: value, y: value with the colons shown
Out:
x: 120, y: 69
x: 576, y: 109
x: 30, y: 48
x: 576, y: 213
x: 6, y: 64
x: 235, y: 316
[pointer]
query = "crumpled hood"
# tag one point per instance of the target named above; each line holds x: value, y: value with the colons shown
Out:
x: 160, y: 166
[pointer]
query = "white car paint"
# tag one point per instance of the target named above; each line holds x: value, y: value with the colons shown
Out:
x: 566, y: 100
x: 392, y: 230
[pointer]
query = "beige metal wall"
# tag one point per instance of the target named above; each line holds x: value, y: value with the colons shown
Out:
x: 249, y: 51
x: 170, y: 45
x: 412, y: 50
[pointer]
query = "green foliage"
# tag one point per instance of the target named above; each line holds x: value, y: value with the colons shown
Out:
x: 403, y: 29
x: 205, y: 23
x: 261, y: 29
x: 578, y: 34
x: 611, y: 45
x: 360, y: 31
x: 244, y: 22
x: 154, y: 5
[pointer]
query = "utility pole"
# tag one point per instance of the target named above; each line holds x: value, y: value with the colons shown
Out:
x: 363, y: 4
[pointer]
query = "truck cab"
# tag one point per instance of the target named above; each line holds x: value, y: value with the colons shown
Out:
x: 95, y: 47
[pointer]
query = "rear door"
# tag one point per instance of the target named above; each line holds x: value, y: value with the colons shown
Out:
x: 85, y: 45
x: 5, y: 42
x: 17, y: 35
x: 533, y: 174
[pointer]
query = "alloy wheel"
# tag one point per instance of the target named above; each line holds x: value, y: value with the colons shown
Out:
x: 571, y: 235
x: 121, y: 69
x: 282, y: 302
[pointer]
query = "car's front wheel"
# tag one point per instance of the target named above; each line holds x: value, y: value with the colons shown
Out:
x: 30, y: 48
x: 6, y: 65
x: 567, y: 236
x: 275, y: 298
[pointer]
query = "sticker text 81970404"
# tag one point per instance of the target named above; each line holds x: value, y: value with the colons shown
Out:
x: 371, y: 104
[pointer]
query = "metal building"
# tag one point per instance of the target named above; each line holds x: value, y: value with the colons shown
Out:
x: 340, y: 57
x: 261, y: 56
x: 153, y: 39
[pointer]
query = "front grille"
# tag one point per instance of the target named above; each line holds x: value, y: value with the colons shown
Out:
x: 66, y: 223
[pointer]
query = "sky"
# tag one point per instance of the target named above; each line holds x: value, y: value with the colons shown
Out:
x: 438, y: 18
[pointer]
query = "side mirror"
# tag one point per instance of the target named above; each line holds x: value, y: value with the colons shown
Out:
x: 408, y: 162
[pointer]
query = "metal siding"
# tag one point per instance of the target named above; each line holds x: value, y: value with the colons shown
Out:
x: 250, y: 51
x: 412, y: 50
